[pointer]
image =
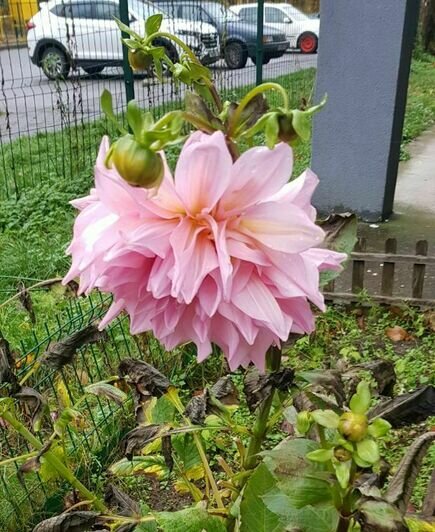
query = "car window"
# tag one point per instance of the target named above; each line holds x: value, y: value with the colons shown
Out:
x: 171, y: 9
x: 272, y: 14
x: 105, y: 10
x: 194, y: 12
x: 75, y: 10
x: 249, y: 14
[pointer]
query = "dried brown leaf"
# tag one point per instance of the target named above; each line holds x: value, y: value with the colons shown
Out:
x: 26, y: 301
x: 36, y: 403
x: 61, y: 353
x: 145, y: 378
x: 7, y: 375
x: 397, y: 334
x: 135, y: 440
x: 79, y: 521
x: 120, y: 501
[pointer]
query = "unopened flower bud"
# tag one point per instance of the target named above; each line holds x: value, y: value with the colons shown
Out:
x: 139, y: 60
x: 342, y: 454
x: 353, y: 426
x: 138, y: 165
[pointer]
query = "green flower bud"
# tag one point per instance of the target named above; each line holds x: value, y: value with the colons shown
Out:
x: 353, y: 426
x: 139, y: 166
x: 342, y: 454
x: 139, y: 60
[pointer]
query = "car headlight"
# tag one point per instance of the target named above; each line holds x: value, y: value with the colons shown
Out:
x: 267, y: 38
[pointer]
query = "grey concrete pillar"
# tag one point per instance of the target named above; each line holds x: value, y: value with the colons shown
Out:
x: 363, y: 64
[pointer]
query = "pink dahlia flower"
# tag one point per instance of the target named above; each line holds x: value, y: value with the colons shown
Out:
x: 225, y: 252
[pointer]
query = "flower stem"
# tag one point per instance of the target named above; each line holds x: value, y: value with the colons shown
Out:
x: 18, y: 458
x: 260, y: 426
x: 172, y: 395
x: 251, y: 94
x: 54, y: 461
x: 214, y: 93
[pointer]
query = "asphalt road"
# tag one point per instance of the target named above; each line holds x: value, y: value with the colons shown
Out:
x: 30, y: 103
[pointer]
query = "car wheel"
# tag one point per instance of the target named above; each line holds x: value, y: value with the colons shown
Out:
x: 235, y: 55
x: 308, y: 43
x: 266, y: 59
x: 55, y: 63
x: 94, y: 69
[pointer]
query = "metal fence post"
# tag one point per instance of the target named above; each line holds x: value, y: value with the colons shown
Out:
x: 128, y: 73
x: 260, y: 51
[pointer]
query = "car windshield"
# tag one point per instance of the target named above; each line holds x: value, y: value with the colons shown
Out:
x: 143, y: 10
x: 294, y: 13
x: 221, y: 13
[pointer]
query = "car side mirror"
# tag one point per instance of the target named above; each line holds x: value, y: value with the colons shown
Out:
x: 131, y: 19
x: 288, y: 20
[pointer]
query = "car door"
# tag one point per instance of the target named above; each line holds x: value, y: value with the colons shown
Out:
x: 275, y: 17
x: 79, y: 29
x: 107, y: 34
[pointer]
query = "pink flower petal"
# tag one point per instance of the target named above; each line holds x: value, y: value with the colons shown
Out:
x: 256, y: 175
x: 203, y: 172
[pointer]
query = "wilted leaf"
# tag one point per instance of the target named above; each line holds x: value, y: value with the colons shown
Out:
x: 104, y: 389
x: 147, y: 379
x: 196, y: 409
x: 257, y: 387
x: 68, y: 522
x: 167, y: 452
x: 401, y: 485
x: 408, y: 408
x: 329, y: 380
x: 382, y: 371
x: 64, y: 420
x: 26, y: 301
x: 380, y: 516
x: 341, y: 236
x: 61, y: 353
x: 429, y: 501
x: 120, y: 501
x: 255, y: 109
x: 7, y: 375
x: 397, y: 334
x: 135, y: 440
x: 197, y: 106
x: 225, y: 391
x: 36, y: 403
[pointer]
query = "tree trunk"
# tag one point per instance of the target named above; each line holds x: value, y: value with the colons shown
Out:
x: 428, y: 25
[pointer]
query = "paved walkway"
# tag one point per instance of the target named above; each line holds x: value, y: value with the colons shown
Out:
x: 414, y: 204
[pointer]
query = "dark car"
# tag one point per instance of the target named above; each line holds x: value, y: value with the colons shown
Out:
x: 238, y: 38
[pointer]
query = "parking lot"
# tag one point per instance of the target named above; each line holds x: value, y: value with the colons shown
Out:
x: 30, y: 103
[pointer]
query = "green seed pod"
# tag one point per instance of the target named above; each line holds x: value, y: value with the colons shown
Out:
x: 353, y: 426
x: 139, y: 60
x: 139, y: 166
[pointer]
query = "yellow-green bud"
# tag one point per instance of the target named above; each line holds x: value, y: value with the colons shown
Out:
x: 353, y: 426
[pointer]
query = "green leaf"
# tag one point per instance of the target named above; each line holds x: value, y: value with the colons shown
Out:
x: 303, y: 481
x: 104, y: 389
x: 359, y: 462
x: 64, y: 420
x: 187, y: 452
x: 380, y: 516
x: 253, y: 512
x: 126, y: 29
x: 138, y: 465
x: 153, y: 23
x: 158, y: 69
x: 303, y: 422
x: 163, y: 411
x: 368, y: 451
x: 360, y: 402
x: 326, y: 418
x: 342, y: 472
x: 319, y: 518
x: 271, y: 131
x: 135, y: 118
x: 106, y: 103
x: 193, y: 519
x: 320, y: 455
x: 379, y: 428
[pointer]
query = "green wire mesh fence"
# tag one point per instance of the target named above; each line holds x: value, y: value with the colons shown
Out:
x: 27, y: 499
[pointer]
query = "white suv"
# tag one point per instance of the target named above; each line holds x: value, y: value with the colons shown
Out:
x: 301, y: 30
x: 66, y: 33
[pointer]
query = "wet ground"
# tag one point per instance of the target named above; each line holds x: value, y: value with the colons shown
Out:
x: 413, y: 220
